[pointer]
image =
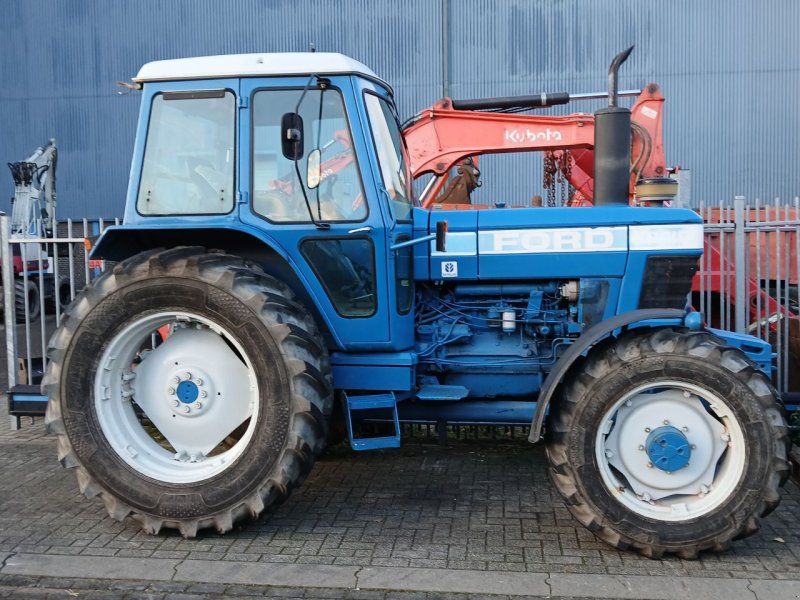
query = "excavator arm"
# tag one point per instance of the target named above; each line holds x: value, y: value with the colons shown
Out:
x: 444, y: 136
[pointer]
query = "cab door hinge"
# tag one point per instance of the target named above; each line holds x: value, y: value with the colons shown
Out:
x: 242, y: 101
x: 242, y: 197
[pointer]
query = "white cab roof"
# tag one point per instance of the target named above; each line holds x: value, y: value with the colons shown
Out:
x: 252, y: 65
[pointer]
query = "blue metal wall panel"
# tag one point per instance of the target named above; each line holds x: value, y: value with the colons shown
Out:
x: 60, y: 61
x: 730, y: 72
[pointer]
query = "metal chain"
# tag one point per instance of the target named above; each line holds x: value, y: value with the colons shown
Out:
x: 562, y: 166
x: 568, y: 189
x: 548, y: 181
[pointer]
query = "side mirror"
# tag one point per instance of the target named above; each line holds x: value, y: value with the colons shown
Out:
x: 441, y: 236
x: 292, y: 136
x: 313, y: 172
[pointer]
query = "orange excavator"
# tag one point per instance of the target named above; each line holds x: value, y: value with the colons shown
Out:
x: 447, y: 140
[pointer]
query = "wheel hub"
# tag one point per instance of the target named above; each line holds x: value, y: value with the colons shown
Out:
x: 668, y: 449
x: 664, y: 443
x: 194, y: 389
x: 190, y: 391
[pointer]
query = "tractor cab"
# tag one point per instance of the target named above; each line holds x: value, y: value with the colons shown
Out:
x: 296, y: 155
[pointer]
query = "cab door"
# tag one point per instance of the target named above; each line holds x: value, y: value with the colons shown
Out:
x: 334, y: 234
x: 392, y: 178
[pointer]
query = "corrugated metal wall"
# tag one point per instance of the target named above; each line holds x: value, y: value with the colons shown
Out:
x: 731, y: 73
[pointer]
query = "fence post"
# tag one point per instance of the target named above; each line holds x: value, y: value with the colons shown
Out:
x: 9, y: 305
x: 740, y: 268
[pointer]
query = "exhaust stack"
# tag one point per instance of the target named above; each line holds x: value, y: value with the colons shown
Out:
x: 612, y: 144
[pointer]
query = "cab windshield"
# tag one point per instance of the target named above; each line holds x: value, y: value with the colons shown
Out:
x: 391, y: 153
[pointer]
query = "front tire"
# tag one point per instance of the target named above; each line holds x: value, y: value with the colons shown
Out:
x: 668, y: 441
x: 188, y: 390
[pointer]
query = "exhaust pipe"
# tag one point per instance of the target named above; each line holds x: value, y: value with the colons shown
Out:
x: 612, y: 143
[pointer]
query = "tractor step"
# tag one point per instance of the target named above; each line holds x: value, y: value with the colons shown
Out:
x: 382, y: 407
x: 442, y: 392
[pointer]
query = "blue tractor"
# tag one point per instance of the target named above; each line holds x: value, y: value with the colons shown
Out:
x: 274, y: 270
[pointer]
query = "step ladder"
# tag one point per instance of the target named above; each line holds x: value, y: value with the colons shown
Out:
x: 386, y: 403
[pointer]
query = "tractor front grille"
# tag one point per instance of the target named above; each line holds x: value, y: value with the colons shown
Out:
x: 667, y: 281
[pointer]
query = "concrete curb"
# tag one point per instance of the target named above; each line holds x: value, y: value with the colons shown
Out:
x: 562, y: 585
x: 454, y: 581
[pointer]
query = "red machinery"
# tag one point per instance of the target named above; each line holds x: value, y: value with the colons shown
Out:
x: 443, y: 137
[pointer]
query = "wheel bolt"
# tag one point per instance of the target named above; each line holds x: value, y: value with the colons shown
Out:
x: 666, y: 422
x: 187, y: 375
x: 685, y: 429
x: 647, y: 430
x: 199, y: 381
x: 609, y: 454
x: 174, y: 403
x: 198, y: 405
x: 203, y: 393
x: 649, y: 465
x: 176, y: 379
x: 171, y: 391
x: 694, y: 446
x: 641, y: 447
x: 186, y: 409
x: 686, y: 394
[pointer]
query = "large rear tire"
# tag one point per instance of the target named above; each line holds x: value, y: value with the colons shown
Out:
x: 188, y: 390
x: 668, y: 441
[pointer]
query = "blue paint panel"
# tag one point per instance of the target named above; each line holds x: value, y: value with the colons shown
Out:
x: 468, y: 411
x: 373, y: 377
x: 463, y: 262
x: 374, y: 371
x: 421, y: 251
x: 598, y: 264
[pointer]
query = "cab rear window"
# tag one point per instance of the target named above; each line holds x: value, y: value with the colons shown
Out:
x: 188, y: 165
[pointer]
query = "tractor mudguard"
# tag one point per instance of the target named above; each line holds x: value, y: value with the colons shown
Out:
x: 588, y: 339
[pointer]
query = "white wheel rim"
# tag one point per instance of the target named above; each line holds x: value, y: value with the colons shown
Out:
x: 706, y: 422
x: 195, y: 388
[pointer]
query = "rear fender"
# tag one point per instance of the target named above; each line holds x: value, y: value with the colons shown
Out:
x: 119, y: 243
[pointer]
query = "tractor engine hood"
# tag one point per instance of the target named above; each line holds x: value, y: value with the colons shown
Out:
x: 553, y: 243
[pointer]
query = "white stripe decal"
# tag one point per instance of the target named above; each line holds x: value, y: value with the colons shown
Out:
x: 562, y: 239
x: 573, y: 240
x: 685, y: 236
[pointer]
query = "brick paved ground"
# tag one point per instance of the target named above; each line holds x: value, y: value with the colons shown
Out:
x: 474, y: 505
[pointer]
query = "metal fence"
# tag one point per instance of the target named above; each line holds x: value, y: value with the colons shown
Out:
x: 749, y: 273
x: 40, y: 277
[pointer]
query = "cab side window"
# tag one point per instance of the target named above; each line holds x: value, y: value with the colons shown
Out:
x: 277, y: 189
